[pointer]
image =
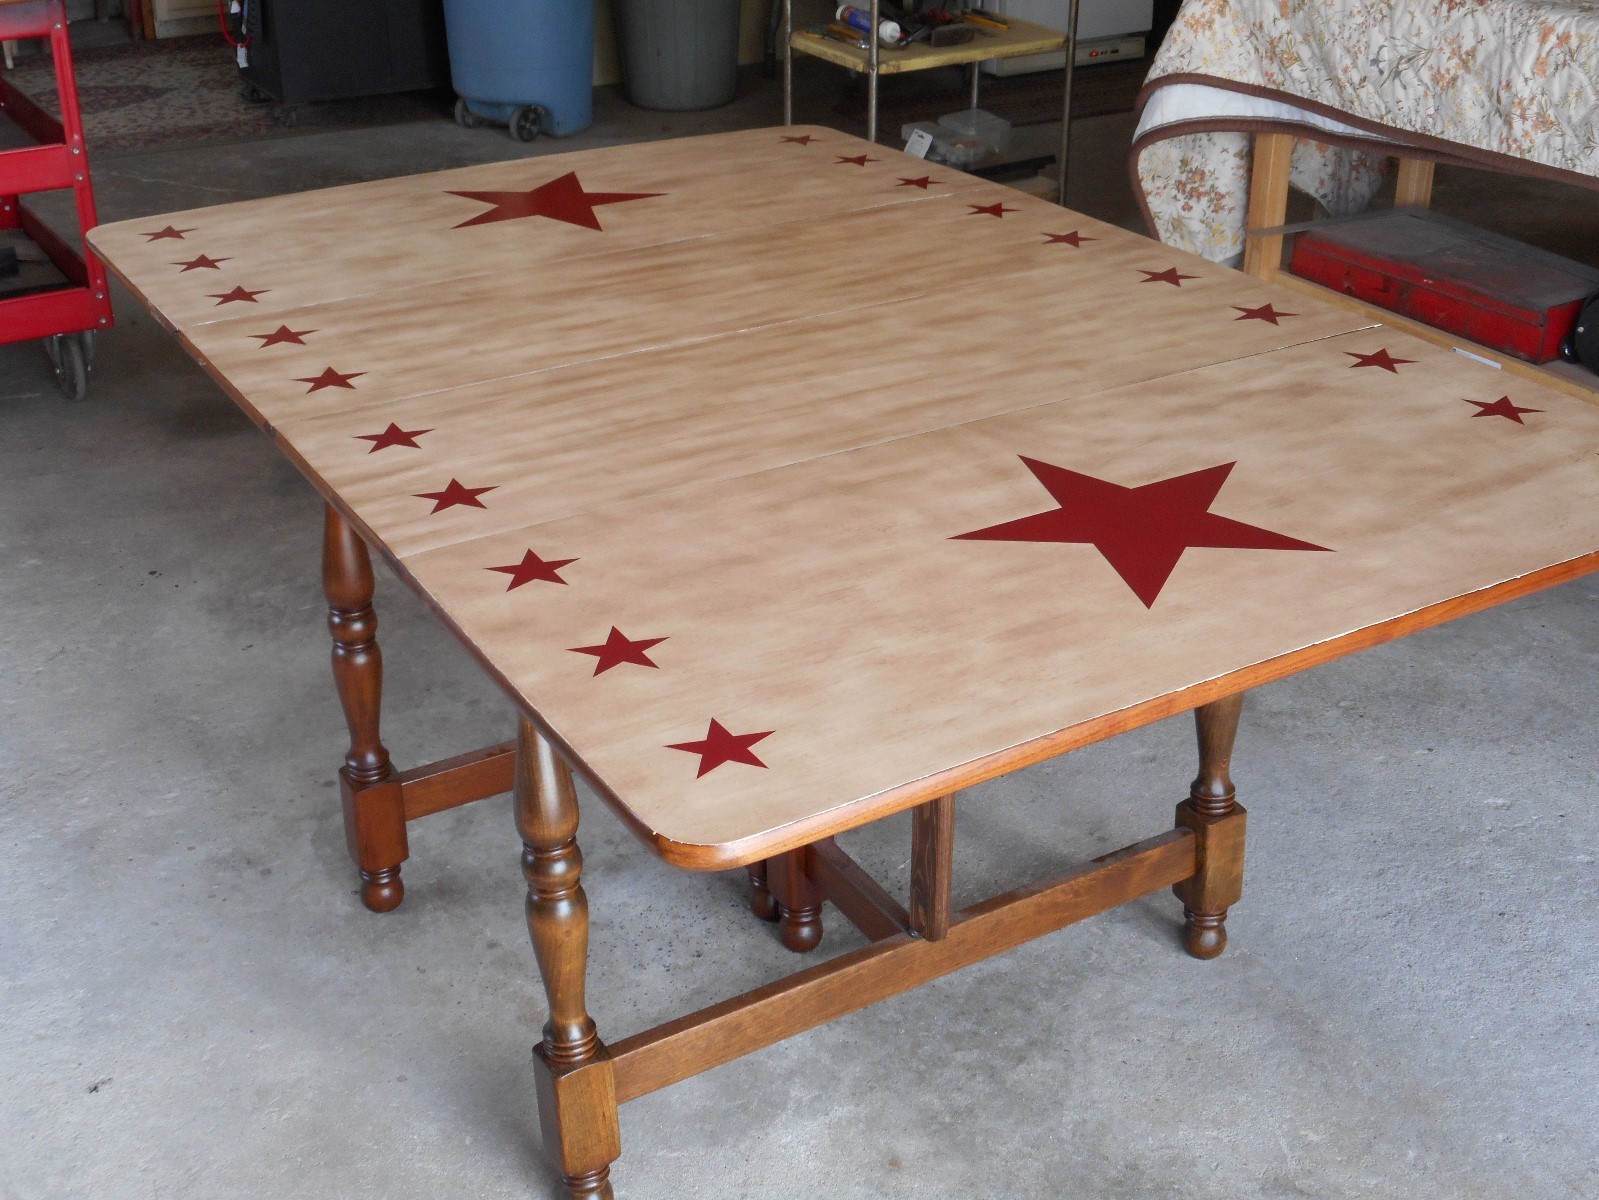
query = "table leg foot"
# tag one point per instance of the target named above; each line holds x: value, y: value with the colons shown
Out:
x: 799, y: 901
x: 382, y: 890
x: 591, y: 1185
x: 1204, y: 934
x: 374, y: 813
x: 762, y: 903
x: 1217, y: 820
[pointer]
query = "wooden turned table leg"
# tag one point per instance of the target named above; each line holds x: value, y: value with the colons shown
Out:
x: 799, y: 901
x: 1217, y: 820
x: 374, y: 815
x: 576, y: 1081
x: 761, y: 902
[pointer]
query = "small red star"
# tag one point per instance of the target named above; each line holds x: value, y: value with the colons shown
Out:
x: 1501, y: 407
x: 1380, y: 359
x: 718, y: 746
x: 392, y: 436
x: 560, y: 199
x: 1264, y: 313
x: 803, y: 139
x: 1071, y: 239
x: 1170, y: 275
x: 238, y: 294
x: 202, y: 264
x: 283, y: 335
x: 989, y: 210
x: 168, y: 232
x: 1141, y: 531
x: 330, y: 379
x: 531, y: 568
x: 618, y: 649
x: 455, y: 494
x: 925, y: 182
x: 858, y: 160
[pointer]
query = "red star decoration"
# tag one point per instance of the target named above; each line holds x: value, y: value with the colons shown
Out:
x: 858, y: 160
x: 238, y: 294
x: 455, y: 494
x: 803, y: 139
x: 924, y: 182
x: 1264, y: 313
x: 1380, y: 359
x: 531, y: 568
x: 1501, y: 407
x: 168, y: 232
x: 618, y: 649
x: 560, y: 199
x: 1141, y: 531
x: 718, y: 746
x: 989, y: 210
x: 330, y: 378
x: 392, y: 436
x: 1170, y: 275
x: 283, y: 335
x: 1071, y: 239
x: 202, y: 264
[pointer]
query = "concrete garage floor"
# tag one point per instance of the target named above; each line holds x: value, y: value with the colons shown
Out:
x: 194, y: 1004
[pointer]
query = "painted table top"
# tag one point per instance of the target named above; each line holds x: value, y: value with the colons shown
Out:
x: 787, y: 481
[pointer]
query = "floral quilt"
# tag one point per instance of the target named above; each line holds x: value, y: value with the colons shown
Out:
x: 1508, y: 84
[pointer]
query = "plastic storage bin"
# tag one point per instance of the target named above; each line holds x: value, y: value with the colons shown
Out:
x: 528, y: 64
x: 974, y: 122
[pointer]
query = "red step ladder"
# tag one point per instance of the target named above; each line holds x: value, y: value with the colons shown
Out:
x: 50, y: 157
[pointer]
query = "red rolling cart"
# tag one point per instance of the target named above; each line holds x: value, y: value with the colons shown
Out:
x: 57, y: 293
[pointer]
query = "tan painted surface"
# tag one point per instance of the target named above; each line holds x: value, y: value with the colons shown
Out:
x: 757, y: 425
x: 1022, y: 38
x: 827, y: 603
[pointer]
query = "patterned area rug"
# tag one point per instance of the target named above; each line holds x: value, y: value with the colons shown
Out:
x: 186, y: 91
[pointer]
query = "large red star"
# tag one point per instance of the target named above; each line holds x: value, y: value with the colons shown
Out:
x: 330, y: 379
x: 168, y: 232
x: 1380, y: 359
x: 617, y: 649
x: 1501, y: 407
x: 803, y: 139
x: 1264, y: 313
x: 283, y: 335
x: 856, y: 160
x: 455, y: 494
x: 922, y: 181
x: 989, y: 210
x: 202, y: 263
x: 1141, y: 531
x: 1070, y: 239
x: 718, y: 746
x: 238, y: 295
x: 1170, y: 275
x: 392, y: 436
x: 531, y: 568
x: 560, y: 199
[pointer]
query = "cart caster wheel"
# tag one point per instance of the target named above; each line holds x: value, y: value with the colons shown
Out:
x: 252, y: 93
x: 1568, y: 349
x: 465, y: 117
x: 71, y: 358
x: 527, y: 122
x: 286, y: 115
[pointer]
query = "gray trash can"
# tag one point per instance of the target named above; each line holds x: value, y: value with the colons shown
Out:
x: 678, y: 55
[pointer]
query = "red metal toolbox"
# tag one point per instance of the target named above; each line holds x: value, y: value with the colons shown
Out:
x: 1452, y: 276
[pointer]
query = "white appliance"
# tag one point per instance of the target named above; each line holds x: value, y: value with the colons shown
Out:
x: 1107, y: 30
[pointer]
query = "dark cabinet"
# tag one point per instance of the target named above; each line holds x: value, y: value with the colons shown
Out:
x: 308, y: 50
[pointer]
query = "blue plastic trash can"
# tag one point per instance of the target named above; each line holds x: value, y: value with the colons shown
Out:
x: 528, y: 64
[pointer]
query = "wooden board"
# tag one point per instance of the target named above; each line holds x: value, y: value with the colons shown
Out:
x: 412, y: 232
x: 763, y: 398
x: 1022, y: 38
x: 832, y: 609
